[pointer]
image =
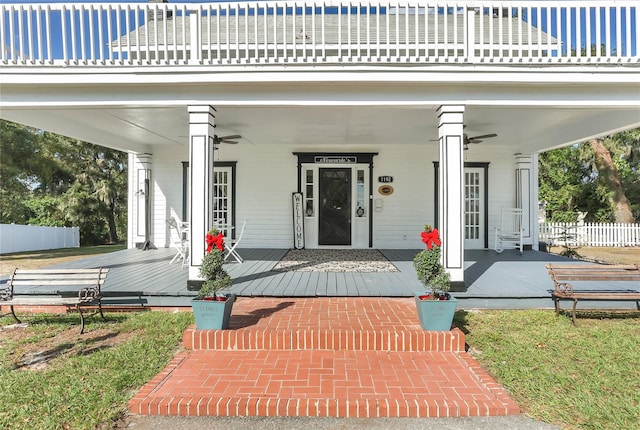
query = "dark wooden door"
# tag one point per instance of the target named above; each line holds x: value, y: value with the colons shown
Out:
x: 335, y: 207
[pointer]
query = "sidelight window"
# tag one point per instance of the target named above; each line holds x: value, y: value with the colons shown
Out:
x: 308, y: 193
x: 360, y: 202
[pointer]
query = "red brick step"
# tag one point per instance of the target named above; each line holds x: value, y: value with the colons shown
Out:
x: 335, y: 357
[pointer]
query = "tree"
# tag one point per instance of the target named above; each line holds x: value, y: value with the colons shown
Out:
x: 17, y: 146
x: 560, y: 183
x: 48, y: 179
x: 97, y: 196
x: 625, y: 149
x: 593, y: 177
x: 608, y: 176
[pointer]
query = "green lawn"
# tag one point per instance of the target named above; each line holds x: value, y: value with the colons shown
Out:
x: 51, y: 377
x: 40, y: 259
x: 583, y: 377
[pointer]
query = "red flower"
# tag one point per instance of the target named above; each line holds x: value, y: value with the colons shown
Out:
x: 431, y: 237
x: 217, y: 241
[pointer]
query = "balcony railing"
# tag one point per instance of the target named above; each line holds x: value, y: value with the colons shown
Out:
x: 312, y: 33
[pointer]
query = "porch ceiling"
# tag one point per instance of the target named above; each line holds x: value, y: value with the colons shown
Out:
x: 327, y: 127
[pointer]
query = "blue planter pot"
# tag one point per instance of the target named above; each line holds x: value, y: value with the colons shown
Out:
x: 212, y: 315
x: 435, y: 315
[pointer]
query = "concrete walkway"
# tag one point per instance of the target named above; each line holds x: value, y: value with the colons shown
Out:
x: 514, y: 422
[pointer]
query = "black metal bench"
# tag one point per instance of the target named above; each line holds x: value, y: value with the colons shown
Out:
x: 563, y: 274
x: 46, y: 290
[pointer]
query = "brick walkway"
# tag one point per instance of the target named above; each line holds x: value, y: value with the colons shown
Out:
x: 337, y: 357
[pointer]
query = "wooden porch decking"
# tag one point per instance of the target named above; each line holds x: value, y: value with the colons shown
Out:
x: 506, y: 280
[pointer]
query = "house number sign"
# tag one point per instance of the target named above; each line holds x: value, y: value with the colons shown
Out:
x: 385, y: 179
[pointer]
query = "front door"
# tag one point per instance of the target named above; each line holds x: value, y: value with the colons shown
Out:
x: 334, y: 190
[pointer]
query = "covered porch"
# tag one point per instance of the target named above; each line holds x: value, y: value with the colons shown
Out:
x: 499, y: 281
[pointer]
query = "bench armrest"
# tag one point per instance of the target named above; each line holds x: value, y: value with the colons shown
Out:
x: 88, y: 294
x: 564, y: 288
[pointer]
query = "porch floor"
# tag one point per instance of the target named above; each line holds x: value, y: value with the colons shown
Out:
x: 493, y: 281
x: 496, y: 281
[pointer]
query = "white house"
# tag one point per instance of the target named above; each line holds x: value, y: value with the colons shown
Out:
x: 368, y: 110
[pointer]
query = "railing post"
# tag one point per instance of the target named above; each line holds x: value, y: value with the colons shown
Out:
x: 470, y: 40
x: 195, y: 36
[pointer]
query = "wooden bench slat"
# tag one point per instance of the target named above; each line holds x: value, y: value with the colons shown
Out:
x: 604, y: 277
x: 22, y: 282
x: 594, y: 273
x: 630, y: 296
x: 44, y: 301
x: 592, y: 266
x: 57, y: 276
x: 54, y: 271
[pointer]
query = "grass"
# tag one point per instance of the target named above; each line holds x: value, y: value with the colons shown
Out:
x: 583, y: 377
x: 611, y: 255
x: 41, y: 259
x: 51, y: 377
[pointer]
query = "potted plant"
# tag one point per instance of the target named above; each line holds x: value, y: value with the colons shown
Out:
x: 212, y: 307
x: 435, y: 305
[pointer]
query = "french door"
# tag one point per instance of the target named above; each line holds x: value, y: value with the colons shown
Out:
x: 474, y: 208
x: 222, y: 196
x: 222, y: 207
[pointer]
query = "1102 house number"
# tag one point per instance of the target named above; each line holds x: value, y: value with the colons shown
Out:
x: 385, y: 179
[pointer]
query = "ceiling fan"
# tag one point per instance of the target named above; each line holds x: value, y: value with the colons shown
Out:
x: 473, y: 139
x: 476, y: 139
x: 231, y: 139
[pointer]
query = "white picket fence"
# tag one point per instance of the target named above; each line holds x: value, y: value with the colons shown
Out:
x: 590, y: 234
x: 20, y: 238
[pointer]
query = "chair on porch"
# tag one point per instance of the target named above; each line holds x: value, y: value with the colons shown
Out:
x: 510, y: 233
x: 179, y: 237
x: 233, y: 243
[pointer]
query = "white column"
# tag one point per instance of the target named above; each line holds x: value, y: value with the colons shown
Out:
x: 141, y: 189
x: 527, y: 195
x: 201, y: 132
x: 450, y: 190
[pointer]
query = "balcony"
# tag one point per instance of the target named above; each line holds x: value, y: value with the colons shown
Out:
x: 415, y: 33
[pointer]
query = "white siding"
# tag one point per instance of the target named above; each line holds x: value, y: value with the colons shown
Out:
x: 167, y: 190
x: 266, y: 176
x: 412, y: 204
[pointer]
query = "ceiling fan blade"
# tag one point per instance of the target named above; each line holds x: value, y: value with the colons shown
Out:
x: 484, y: 136
x: 226, y: 139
